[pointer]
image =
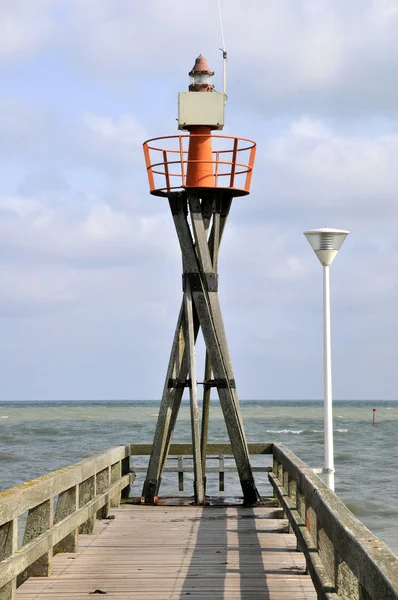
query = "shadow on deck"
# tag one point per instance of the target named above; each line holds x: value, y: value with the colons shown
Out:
x: 179, y: 552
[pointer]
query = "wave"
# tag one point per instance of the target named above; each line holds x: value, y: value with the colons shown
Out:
x: 46, y: 431
x: 342, y: 430
x: 9, y: 457
x: 294, y: 431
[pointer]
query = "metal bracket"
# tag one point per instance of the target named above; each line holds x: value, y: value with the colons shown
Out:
x: 219, y: 383
x: 176, y: 383
x: 210, y: 282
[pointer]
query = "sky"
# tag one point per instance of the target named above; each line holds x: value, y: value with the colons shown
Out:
x: 90, y: 267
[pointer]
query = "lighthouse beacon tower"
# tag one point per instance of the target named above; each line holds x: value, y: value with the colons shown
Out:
x: 200, y: 173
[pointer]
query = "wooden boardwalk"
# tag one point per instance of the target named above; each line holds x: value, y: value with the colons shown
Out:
x: 176, y: 552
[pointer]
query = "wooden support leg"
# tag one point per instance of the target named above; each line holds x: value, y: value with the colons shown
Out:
x: 210, y: 318
x: 214, y: 244
x: 193, y: 393
x: 205, y: 416
x: 171, y: 400
x: 215, y: 338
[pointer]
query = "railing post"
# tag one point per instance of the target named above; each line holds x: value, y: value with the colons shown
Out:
x: 103, y: 482
x: 275, y: 470
x: 68, y: 503
x: 125, y: 466
x: 40, y: 519
x: 311, y: 522
x: 326, y: 552
x: 292, y: 492
x: 221, y: 475
x: 87, y: 492
x: 8, y: 545
x: 180, y: 474
x: 116, y: 472
x: 346, y: 583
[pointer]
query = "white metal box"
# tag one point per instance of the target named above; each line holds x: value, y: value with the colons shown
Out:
x: 201, y: 108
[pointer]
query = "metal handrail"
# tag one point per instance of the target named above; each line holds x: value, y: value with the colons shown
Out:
x: 232, y: 167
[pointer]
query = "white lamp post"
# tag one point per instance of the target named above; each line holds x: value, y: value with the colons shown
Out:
x: 326, y: 243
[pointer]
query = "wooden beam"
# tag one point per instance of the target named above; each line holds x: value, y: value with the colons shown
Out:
x: 193, y: 394
x: 212, y: 448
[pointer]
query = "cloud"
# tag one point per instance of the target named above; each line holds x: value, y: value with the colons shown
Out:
x: 47, y: 138
x: 284, y: 57
x: 90, y: 262
x: 35, y: 229
x: 112, y: 141
x: 314, y: 166
x: 25, y: 27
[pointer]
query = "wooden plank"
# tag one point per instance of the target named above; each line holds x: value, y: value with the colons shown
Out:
x: 172, y: 552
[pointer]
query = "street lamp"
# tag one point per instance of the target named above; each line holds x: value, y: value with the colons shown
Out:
x: 326, y: 243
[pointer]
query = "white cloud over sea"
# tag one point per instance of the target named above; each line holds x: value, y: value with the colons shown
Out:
x: 89, y: 261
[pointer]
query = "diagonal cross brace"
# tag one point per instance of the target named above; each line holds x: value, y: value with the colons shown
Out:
x: 206, y: 312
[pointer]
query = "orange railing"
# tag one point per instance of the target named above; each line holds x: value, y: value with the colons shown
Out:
x: 167, y: 167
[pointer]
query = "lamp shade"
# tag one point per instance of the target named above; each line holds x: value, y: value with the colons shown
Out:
x: 200, y: 76
x: 326, y: 243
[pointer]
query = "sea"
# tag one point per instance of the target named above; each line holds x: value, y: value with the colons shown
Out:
x: 38, y: 437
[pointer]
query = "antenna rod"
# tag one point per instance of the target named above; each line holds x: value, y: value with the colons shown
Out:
x: 224, y: 53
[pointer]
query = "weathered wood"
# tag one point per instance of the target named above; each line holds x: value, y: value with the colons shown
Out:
x: 40, y: 519
x: 168, y: 410
x: 126, y: 468
x: 41, y: 544
x: 214, y: 245
x: 221, y: 478
x: 193, y: 395
x: 17, y: 500
x: 8, y: 545
x: 180, y: 469
x: 209, y: 314
x: 103, y: 480
x: 182, y: 376
x: 68, y: 503
x: 182, y: 552
x: 87, y: 492
x: 180, y: 474
x: 212, y: 448
x: 116, y: 473
x: 205, y: 415
x: 333, y: 535
x: 198, y: 261
x: 319, y: 574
